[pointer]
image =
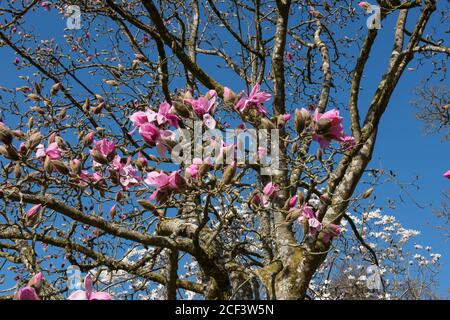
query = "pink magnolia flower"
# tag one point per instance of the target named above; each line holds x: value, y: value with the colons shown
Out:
x: 34, y: 211
x: 89, y: 294
x: 139, y: 118
x: 270, y: 189
x: 52, y: 151
x: 165, y: 184
x: 331, y: 231
x: 328, y: 126
x: 127, y: 175
x: 105, y: 147
x: 269, y: 192
x: 29, y: 291
x: 142, y: 159
x: 84, y: 179
x: 256, y: 199
x: 204, y: 104
x: 150, y: 133
x: 194, y: 169
x: 26, y: 293
x: 310, y: 217
x: 89, y: 138
x: 164, y: 115
x: 96, y: 177
x: 447, y: 174
x: 255, y: 100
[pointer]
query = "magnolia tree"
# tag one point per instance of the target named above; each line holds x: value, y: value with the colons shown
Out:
x: 203, y: 149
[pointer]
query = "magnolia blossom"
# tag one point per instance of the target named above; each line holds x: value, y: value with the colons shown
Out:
x: 194, y: 169
x: 310, y: 217
x: 165, y: 184
x: 447, y: 174
x: 269, y: 192
x: 204, y: 104
x: 327, y: 127
x: 152, y: 135
x: 89, y: 294
x: 52, y: 151
x: 104, y: 151
x: 26, y: 293
x: 34, y: 211
x: 255, y: 99
x: 29, y: 291
x: 125, y: 172
x: 164, y: 115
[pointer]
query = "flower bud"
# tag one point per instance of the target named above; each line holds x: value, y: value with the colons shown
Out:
x: 112, y: 212
x: 367, y: 193
x: 293, y: 214
x: 267, y: 124
x: 325, y: 198
x: 181, y: 109
x: 55, y: 88
x: 89, y: 138
x: 229, y: 97
x: 17, y: 171
x: 75, y: 165
x: 33, y: 211
x: 48, y: 167
x: 323, y: 126
x: 302, y: 119
x: 146, y: 205
x: 60, y: 166
x: 6, y: 134
x: 228, y: 174
x: 98, y: 157
x: 134, y: 64
x: 36, y: 281
x: 9, y: 152
x: 86, y: 105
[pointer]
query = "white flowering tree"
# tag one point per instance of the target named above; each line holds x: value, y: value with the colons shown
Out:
x: 124, y: 153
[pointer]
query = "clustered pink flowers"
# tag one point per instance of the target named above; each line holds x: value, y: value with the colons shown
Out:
x: 152, y: 126
x: 31, y: 290
x: 310, y: 218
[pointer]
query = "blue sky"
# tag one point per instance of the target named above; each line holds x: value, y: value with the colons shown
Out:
x: 402, y: 145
